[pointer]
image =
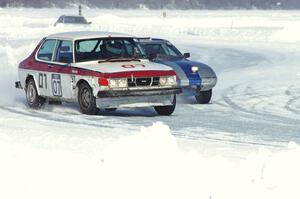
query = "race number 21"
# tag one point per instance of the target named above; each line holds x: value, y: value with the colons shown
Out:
x: 56, y: 85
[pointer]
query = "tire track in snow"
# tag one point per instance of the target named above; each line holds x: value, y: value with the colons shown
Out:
x: 290, y: 105
x: 230, y: 93
x: 86, y: 120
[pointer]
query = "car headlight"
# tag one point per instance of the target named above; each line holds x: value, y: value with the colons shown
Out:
x: 168, y: 81
x: 118, y: 83
x: 195, y: 69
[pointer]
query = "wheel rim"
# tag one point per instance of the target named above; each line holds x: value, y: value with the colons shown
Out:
x: 85, y: 98
x: 31, y: 93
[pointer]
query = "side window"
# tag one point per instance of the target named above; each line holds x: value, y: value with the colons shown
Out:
x: 64, y: 53
x: 87, y: 46
x: 60, y: 20
x: 46, y: 51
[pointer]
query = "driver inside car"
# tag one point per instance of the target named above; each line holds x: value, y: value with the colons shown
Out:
x: 111, y: 49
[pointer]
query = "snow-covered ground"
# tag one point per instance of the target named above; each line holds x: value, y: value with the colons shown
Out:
x: 242, y: 145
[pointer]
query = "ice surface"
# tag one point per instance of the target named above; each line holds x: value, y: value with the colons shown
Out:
x: 243, y: 145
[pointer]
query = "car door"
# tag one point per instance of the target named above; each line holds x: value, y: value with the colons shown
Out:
x: 61, y: 85
x: 42, y: 70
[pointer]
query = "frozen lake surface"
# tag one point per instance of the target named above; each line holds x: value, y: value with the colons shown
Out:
x: 242, y: 145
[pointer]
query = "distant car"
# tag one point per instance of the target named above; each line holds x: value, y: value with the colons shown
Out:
x: 69, y: 19
x: 196, y: 78
x: 97, y: 70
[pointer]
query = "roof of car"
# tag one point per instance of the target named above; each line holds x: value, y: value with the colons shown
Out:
x: 71, y: 16
x: 85, y: 35
x: 151, y: 40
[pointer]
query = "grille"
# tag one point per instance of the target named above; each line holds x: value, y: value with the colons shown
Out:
x: 143, y: 81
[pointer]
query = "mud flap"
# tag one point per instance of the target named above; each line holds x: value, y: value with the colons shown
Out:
x: 18, y: 85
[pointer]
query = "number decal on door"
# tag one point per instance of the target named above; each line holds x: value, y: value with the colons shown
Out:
x: 42, y: 80
x: 56, y: 85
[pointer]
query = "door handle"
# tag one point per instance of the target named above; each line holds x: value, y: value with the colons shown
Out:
x: 50, y: 66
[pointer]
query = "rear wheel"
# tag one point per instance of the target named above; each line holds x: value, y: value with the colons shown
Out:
x: 204, y: 97
x: 86, y: 99
x: 32, y: 97
x: 166, y: 110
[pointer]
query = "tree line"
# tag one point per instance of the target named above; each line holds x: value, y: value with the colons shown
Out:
x: 158, y: 4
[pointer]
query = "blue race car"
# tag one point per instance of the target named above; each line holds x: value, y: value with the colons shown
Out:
x: 196, y: 79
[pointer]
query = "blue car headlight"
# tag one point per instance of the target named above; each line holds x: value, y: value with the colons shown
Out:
x: 195, y: 69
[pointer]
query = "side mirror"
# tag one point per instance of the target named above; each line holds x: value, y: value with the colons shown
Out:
x: 186, y: 55
x: 90, y: 22
x: 152, y: 56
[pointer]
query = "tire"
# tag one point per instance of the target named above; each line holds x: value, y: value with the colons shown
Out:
x: 32, y: 97
x: 166, y: 110
x: 86, y: 99
x: 204, y: 97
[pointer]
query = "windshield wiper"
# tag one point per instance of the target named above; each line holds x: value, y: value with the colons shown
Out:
x: 108, y: 59
x: 135, y: 58
x: 119, y: 59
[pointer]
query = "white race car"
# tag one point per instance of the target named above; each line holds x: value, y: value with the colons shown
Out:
x: 97, y: 70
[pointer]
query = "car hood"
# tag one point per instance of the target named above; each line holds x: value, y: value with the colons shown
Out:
x: 204, y: 70
x: 121, y: 66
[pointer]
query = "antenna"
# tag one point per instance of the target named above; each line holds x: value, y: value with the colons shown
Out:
x: 79, y: 10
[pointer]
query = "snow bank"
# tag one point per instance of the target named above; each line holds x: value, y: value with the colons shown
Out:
x: 237, y: 26
x: 289, y: 33
x: 148, y: 164
x: 43, y: 161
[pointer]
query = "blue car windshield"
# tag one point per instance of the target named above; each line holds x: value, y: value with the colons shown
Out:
x: 165, y: 50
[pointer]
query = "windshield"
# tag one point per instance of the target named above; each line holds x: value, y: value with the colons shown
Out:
x: 165, y: 50
x: 75, y: 20
x: 105, y: 49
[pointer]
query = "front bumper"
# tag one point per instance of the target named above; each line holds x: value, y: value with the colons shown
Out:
x: 208, y: 83
x: 137, y: 93
x: 136, y: 98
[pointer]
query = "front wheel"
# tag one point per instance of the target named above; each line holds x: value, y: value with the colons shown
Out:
x: 32, y: 97
x: 166, y: 110
x: 86, y: 99
x: 204, y: 97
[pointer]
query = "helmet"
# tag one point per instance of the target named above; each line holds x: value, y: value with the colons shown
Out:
x: 114, y: 47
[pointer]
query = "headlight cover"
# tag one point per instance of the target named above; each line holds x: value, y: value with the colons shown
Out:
x: 118, y: 83
x: 167, y: 81
x: 195, y: 69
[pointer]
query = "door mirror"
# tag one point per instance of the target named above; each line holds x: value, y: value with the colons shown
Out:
x: 90, y: 22
x: 186, y: 55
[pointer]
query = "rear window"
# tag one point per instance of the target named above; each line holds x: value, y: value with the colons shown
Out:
x: 46, y: 51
